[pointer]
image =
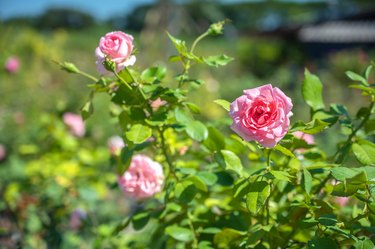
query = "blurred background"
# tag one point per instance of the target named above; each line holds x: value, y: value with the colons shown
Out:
x: 57, y: 187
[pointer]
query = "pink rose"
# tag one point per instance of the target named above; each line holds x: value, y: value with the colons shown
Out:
x: 261, y: 114
x: 2, y: 152
x: 117, y: 47
x: 76, y: 218
x: 115, y: 144
x: 341, y: 201
x: 157, y: 103
x: 12, y: 64
x: 75, y: 124
x: 143, y: 179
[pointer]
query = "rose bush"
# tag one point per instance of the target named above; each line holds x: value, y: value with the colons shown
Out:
x: 251, y: 189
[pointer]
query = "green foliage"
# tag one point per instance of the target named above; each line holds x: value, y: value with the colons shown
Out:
x: 219, y: 191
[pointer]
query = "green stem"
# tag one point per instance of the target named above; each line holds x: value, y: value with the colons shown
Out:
x: 195, y: 236
x: 197, y: 40
x: 122, y: 80
x: 87, y: 76
x: 166, y: 155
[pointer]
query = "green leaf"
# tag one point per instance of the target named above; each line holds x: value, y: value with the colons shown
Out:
x: 344, y: 190
x: 138, y: 133
x: 215, y: 140
x: 126, y: 157
x: 179, y: 44
x: 140, y: 220
x: 343, y: 173
x: 153, y: 73
x: 284, y: 150
x: 207, y: 177
x: 218, y: 60
x: 312, y: 127
x: 196, y: 130
x: 185, y: 191
x: 227, y: 238
x: 364, y: 244
x: 199, y: 183
x: 368, y: 71
x: 312, y: 91
x: 223, y: 103
x: 328, y: 220
x: 281, y: 175
x: 364, y: 151
x: 179, y: 233
x: 257, y: 196
x: 231, y: 162
x: 193, y: 107
x: 205, y: 245
x: 181, y: 116
x: 323, y: 242
x: 307, y: 181
x: 356, y: 77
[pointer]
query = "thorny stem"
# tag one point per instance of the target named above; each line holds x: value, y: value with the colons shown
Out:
x: 195, y: 236
x: 347, y: 142
x: 338, y: 160
x: 187, y: 63
x: 167, y: 157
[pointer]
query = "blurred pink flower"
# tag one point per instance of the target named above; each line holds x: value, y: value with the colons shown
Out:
x: 143, y: 179
x: 261, y: 114
x: 157, y: 103
x: 76, y: 218
x: 115, y: 144
x: 117, y: 46
x: 2, y: 152
x: 12, y: 65
x: 341, y: 201
x: 307, y: 137
x: 75, y: 124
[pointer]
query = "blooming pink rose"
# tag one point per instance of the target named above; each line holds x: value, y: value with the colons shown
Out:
x: 12, y: 64
x: 261, y: 114
x: 115, y: 144
x: 2, y: 152
x: 117, y: 47
x: 143, y: 179
x: 75, y: 124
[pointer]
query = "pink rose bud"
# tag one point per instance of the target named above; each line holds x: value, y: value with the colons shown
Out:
x: 117, y: 47
x: 12, y: 65
x: 75, y: 124
x: 143, y: 179
x: 115, y: 144
x: 261, y: 114
x: 2, y: 152
x: 157, y: 103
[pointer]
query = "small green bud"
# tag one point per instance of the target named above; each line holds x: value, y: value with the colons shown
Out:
x: 109, y: 65
x: 217, y: 28
x: 69, y: 67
